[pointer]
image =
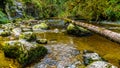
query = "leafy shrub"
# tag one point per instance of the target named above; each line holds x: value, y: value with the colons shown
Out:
x: 3, y: 18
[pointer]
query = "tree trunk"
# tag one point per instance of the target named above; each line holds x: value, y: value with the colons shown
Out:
x: 102, y: 31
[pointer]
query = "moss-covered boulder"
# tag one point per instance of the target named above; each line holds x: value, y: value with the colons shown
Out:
x: 23, y: 51
x: 77, y: 30
x: 29, y: 36
x: 40, y: 26
x: 5, y: 33
x: 41, y: 41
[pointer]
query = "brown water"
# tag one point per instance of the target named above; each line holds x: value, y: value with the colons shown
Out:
x: 107, y: 49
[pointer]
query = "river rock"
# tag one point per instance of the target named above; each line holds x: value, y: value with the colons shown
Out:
x: 17, y: 32
x: 5, y: 33
x: 59, y: 56
x: 101, y: 64
x: 77, y: 30
x: 23, y: 51
x: 40, y: 26
x: 91, y: 57
x: 41, y: 41
x: 29, y: 36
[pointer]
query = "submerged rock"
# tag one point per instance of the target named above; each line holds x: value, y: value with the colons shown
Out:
x: 40, y: 26
x: 56, y: 30
x: 101, y: 64
x: 29, y: 36
x: 41, y: 41
x: 23, y: 51
x: 77, y: 30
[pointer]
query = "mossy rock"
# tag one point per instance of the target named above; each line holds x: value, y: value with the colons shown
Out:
x: 23, y: 53
x: 5, y: 33
x: 77, y: 30
x: 42, y: 41
x: 71, y: 27
x: 40, y: 26
x: 29, y: 36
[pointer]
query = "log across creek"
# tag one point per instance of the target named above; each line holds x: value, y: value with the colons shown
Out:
x: 114, y: 36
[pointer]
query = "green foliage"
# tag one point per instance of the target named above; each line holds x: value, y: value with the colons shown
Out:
x: 94, y: 9
x: 3, y: 18
x: 81, y: 9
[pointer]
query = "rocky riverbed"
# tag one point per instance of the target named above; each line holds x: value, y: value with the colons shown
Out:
x: 64, y: 50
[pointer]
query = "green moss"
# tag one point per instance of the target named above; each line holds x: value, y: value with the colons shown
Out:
x: 5, y: 33
x: 70, y: 27
x: 3, y: 18
x: 29, y: 36
x: 23, y: 55
x: 12, y: 51
x: 42, y: 41
x: 77, y: 30
x: 32, y: 54
x: 41, y: 26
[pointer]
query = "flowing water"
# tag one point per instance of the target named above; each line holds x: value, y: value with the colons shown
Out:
x: 66, y: 50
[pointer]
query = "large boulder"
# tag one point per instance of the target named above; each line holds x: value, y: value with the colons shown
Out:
x: 29, y: 36
x: 40, y: 26
x: 77, y: 30
x: 23, y: 51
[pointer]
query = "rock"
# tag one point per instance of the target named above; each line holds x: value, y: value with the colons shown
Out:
x: 17, y: 32
x: 42, y: 41
x: 26, y: 29
x: 70, y: 27
x: 59, y: 56
x: 91, y: 57
x: 40, y: 26
x: 101, y: 64
x: 56, y: 30
x: 29, y: 36
x: 8, y: 26
x: 77, y: 30
x: 5, y: 33
x: 23, y: 51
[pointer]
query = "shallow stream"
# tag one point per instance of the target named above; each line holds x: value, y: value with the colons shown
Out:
x: 66, y: 50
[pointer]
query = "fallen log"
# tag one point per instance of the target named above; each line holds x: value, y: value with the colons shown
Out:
x: 100, y: 30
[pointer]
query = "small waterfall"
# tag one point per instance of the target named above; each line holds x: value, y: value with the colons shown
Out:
x: 14, y: 10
